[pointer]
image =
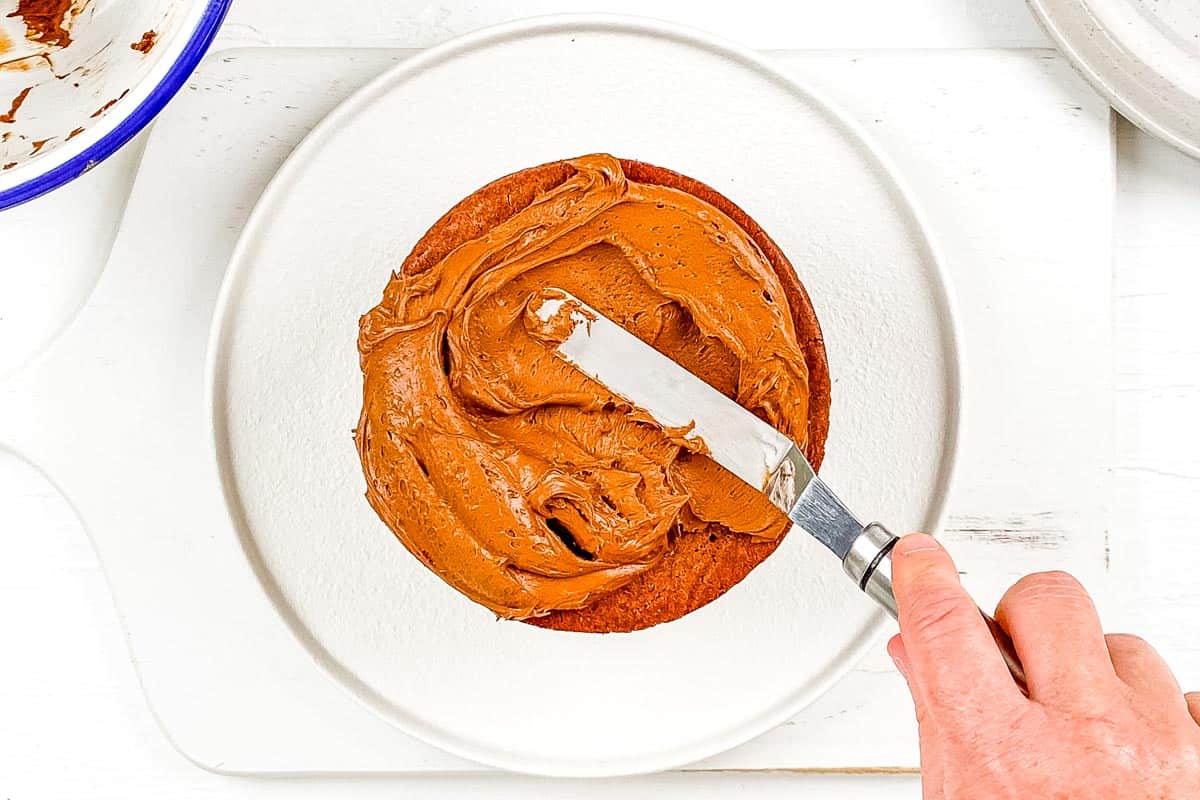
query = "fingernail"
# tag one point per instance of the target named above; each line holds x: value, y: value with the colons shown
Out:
x: 895, y: 649
x: 915, y: 543
x: 901, y: 665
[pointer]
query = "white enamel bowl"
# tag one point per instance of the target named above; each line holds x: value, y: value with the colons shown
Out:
x: 65, y: 108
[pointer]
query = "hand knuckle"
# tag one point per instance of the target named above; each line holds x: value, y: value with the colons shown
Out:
x: 1061, y: 587
x: 939, y: 615
x: 1126, y: 641
x: 1054, y: 580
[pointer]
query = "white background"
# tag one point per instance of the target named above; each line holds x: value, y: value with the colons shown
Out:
x: 72, y: 720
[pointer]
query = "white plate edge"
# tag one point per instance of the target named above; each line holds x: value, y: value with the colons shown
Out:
x: 257, y: 221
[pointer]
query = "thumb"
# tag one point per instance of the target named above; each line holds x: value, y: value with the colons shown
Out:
x: 953, y: 661
x: 932, y: 761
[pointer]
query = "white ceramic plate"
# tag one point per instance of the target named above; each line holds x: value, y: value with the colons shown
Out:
x: 1143, y: 55
x: 286, y: 389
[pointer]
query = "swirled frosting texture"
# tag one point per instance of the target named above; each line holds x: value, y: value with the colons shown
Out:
x: 524, y: 484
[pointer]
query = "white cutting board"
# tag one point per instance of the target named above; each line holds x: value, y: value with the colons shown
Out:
x: 1009, y: 153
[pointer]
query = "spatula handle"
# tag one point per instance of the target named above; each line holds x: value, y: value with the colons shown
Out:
x: 869, y: 564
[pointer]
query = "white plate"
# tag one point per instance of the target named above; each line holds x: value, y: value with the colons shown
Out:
x: 286, y: 389
x: 1143, y: 55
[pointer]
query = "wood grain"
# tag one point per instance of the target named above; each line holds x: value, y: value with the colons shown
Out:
x: 1154, y: 473
x: 1032, y: 489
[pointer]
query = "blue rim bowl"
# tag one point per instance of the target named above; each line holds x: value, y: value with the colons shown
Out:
x: 189, y: 57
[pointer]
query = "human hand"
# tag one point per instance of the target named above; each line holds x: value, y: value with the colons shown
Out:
x: 1104, y: 719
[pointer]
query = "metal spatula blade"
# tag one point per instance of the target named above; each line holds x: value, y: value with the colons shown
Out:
x: 734, y: 438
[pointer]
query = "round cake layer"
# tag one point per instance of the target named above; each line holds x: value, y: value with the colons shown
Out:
x: 525, y: 485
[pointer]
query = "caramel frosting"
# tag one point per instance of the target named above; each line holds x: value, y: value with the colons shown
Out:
x: 521, y: 482
x: 48, y: 21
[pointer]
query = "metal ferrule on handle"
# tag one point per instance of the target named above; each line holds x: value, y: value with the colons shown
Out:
x: 869, y: 564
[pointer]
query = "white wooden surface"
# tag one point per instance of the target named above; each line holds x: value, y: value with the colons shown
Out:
x: 1046, y: 288
x: 73, y: 723
x: 1157, y: 279
x: 66, y: 235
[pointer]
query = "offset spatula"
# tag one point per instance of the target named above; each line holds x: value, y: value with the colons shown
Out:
x: 738, y: 441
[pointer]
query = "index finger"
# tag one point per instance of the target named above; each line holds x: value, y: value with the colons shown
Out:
x: 1057, y: 633
x: 952, y: 656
